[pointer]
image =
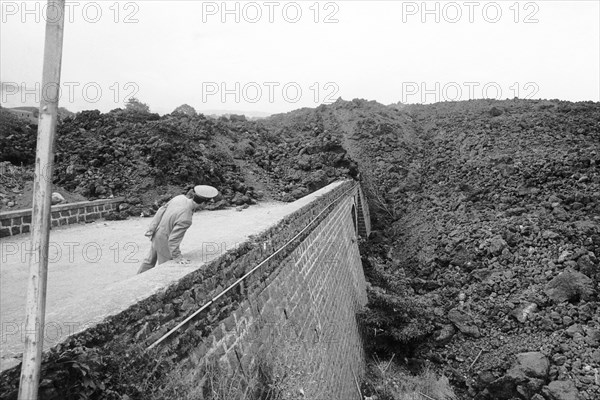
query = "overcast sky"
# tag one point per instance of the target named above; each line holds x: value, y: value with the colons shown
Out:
x: 278, y: 56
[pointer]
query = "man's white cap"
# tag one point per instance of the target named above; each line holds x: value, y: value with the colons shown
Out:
x: 205, y: 191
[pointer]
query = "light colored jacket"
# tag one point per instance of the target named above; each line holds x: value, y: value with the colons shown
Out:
x: 169, y: 226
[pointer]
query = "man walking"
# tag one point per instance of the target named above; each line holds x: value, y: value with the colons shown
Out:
x: 170, y: 224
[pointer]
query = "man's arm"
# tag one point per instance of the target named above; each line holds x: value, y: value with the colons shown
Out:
x: 176, y: 237
x: 156, y: 221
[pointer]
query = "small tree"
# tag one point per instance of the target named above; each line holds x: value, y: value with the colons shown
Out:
x: 134, y: 105
x: 185, y: 109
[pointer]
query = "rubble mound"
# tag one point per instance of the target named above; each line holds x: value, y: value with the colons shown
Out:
x: 489, y: 213
x: 148, y: 158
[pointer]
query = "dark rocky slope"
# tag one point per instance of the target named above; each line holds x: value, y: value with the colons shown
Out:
x: 148, y: 159
x: 488, y: 219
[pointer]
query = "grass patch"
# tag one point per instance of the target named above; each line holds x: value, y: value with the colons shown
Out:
x: 284, y: 370
x: 386, y: 380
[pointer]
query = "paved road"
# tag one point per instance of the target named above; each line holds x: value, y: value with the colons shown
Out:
x: 92, y: 268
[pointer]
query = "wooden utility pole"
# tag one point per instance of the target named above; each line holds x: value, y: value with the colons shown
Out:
x: 42, y: 197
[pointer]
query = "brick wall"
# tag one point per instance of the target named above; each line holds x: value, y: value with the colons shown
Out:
x: 19, y: 221
x: 293, y: 319
x: 304, y: 316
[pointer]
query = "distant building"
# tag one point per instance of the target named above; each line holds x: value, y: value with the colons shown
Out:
x: 31, y: 116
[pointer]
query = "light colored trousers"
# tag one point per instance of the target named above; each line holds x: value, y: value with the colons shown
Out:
x: 151, y: 259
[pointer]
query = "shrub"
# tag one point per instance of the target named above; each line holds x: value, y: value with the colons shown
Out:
x: 395, y: 318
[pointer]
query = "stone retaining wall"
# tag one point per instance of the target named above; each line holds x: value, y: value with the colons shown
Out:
x: 19, y: 221
x: 299, y: 326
